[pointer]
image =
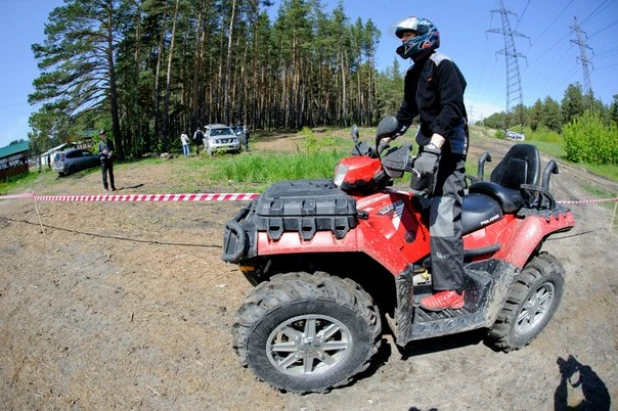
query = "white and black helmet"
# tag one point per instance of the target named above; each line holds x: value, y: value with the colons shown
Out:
x: 427, y: 39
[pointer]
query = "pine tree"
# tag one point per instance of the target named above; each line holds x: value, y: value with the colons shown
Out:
x: 79, y: 54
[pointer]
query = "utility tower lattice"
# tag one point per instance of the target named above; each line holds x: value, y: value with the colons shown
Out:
x: 581, y: 42
x: 514, y: 93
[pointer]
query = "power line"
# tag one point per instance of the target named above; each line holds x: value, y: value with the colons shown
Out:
x: 603, y: 29
x: 522, y: 14
x: 606, y: 52
x: 604, y: 68
x: 553, y: 22
x: 564, y: 80
x: 549, y: 48
x: 590, y: 16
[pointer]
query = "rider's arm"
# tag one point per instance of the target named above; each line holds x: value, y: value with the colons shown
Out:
x: 452, y: 85
x: 408, y: 109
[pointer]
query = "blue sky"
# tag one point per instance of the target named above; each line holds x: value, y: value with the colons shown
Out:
x: 551, y: 56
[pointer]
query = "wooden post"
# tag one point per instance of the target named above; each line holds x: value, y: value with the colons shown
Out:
x: 38, y: 213
x: 611, y: 224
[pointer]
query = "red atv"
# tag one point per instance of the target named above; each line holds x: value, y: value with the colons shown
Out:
x: 332, y: 259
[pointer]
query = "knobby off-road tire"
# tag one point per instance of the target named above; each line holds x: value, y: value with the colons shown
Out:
x: 532, y: 300
x: 307, y: 333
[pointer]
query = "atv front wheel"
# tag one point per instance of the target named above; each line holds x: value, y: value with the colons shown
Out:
x: 531, y: 302
x: 307, y: 333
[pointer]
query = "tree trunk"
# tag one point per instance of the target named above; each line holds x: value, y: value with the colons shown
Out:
x: 157, y: 121
x: 226, y: 102
x: 137, y: 107
x: 200, y: 37
x: 166, y: 114
x: 113, y: 94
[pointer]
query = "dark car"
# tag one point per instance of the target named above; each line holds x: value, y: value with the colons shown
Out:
x: 70, y: 161
x: 243, y: 135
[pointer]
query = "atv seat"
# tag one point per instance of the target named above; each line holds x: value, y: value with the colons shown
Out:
x: 521, y: 165
x: 478, y: 211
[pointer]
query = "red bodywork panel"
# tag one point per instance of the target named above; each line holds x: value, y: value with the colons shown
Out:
x: 391, y: 235
x: 394, y: 234
x: 524, y: 235
x: 360, y: 169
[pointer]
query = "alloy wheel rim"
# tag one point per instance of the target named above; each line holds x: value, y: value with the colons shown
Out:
x: 308, y: 345
x: 535, y: 309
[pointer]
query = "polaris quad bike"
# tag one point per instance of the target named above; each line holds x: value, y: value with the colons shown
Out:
x: 332, y: 260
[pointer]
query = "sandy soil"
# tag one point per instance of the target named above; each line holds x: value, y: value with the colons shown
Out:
x: 129, y: 306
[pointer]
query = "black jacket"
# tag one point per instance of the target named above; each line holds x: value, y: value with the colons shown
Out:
x: 434, y: 88
x: 107, y: 145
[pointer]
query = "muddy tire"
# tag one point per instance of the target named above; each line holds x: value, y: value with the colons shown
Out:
x: 532, y: 300
x: 307, y: 333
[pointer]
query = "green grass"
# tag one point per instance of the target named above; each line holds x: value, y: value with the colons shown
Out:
x: 25, y: 181
x: 551, y: 149
x: 265, y: 169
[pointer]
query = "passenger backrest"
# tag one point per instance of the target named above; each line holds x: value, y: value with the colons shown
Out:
x: 521, y: 165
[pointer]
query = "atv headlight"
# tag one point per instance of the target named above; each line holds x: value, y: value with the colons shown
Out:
x: 340, y: 171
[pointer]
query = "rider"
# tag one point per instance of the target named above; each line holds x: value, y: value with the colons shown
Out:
x: 434, y: 89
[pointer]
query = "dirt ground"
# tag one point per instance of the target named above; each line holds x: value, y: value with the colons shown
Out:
x: 129, y: 306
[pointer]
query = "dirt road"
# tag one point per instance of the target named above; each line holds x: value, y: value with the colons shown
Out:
x: 129, y: 306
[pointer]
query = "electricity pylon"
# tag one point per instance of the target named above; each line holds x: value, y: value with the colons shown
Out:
x: 514, y: 92
x: 581, y: 42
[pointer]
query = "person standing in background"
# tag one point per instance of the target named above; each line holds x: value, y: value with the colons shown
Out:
x: 184, y: 139
x: 198, y: 139
x: 106, y: 152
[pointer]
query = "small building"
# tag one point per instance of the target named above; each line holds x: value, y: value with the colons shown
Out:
x: 14, y: 159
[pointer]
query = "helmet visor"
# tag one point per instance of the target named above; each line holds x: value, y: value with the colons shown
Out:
x: 407, y: 24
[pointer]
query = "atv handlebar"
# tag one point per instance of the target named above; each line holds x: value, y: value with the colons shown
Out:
x: 550, y: 168
x: 485, y: 157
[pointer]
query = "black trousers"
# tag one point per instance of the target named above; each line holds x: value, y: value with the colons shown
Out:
x: 446, y: 190
x: 107, y: 167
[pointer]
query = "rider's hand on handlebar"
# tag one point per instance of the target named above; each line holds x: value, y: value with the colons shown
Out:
x: 383, y: 144
x: 427, y: 162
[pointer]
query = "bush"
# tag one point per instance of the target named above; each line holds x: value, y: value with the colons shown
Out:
x: 543, y: 134
x: 500, y: 134
x: 587, y: 139
x: 313, y: 144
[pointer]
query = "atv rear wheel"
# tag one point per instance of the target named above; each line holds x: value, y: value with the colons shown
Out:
x: 532, y: 300
x: 307, y: 333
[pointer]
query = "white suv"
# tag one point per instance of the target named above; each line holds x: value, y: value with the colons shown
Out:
x: 219, y: 137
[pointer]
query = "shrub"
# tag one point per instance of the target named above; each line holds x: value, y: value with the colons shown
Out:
x: 313, y: 144
x: 543, y: 134
x: 587, y: 139
x: 500, y: 134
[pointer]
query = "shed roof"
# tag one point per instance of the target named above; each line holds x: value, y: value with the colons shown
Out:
x: 14, y: 149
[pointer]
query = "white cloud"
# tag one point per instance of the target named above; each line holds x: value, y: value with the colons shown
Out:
x: 478, y: 110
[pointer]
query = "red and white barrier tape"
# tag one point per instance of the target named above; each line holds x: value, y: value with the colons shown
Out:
x: 14, y: 196
x: 599, y: 200
x: 193, y: 197
x: 141, y: 197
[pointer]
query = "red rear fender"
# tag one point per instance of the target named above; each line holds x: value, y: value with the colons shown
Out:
x: 523, y: 236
